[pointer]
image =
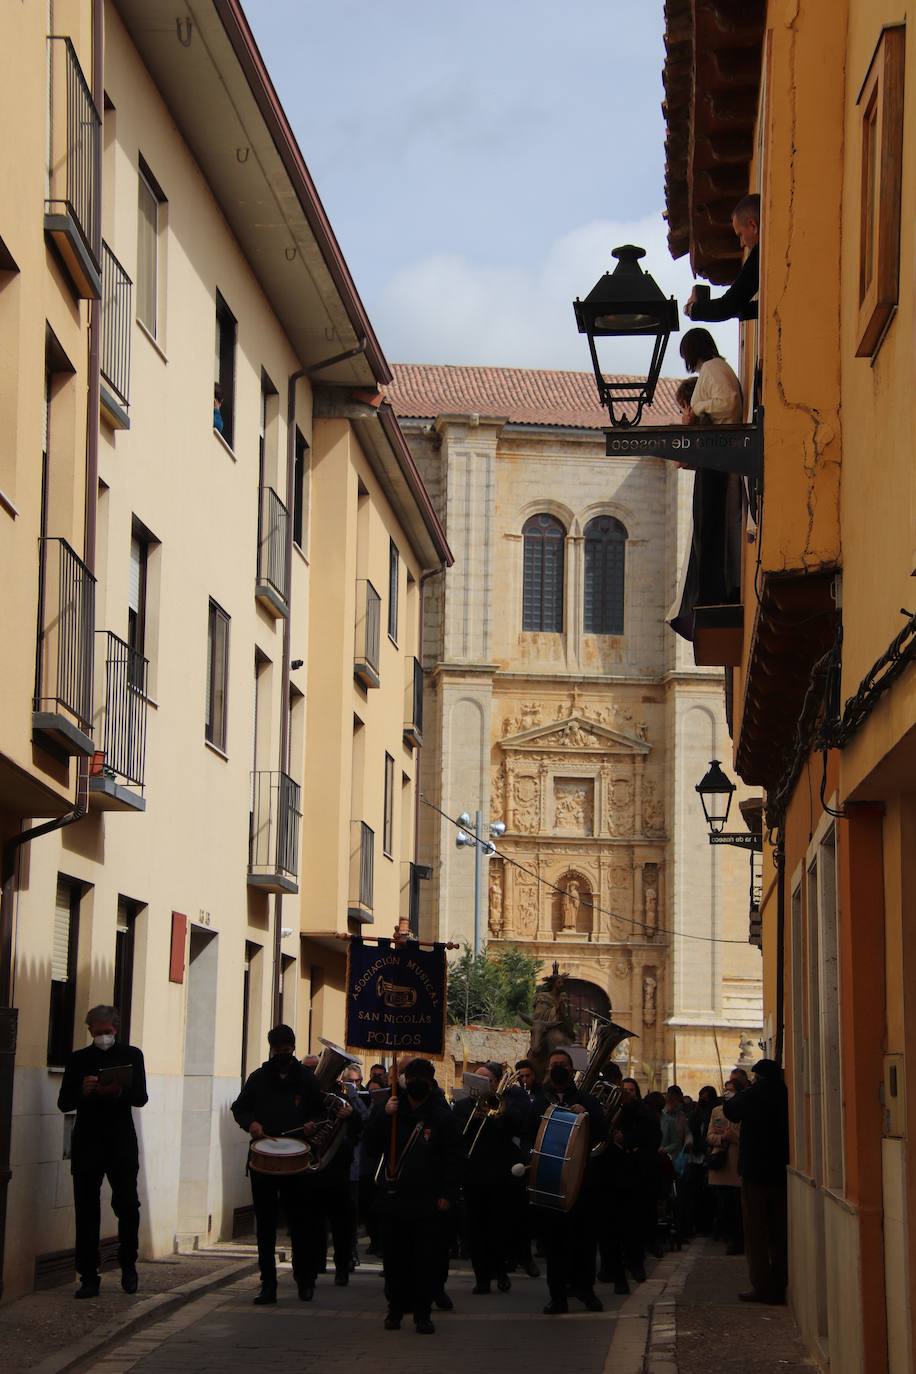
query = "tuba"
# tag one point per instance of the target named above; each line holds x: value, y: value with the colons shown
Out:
x: 328, y: 1138
x: 603, y: 1040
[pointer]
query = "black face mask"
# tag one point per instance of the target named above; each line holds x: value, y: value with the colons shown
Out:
x: 418, y: 1089
x: 282, y: 1063
x: 560, y: 1076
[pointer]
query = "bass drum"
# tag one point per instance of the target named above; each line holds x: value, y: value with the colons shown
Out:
x: 281, y: 1155
x: 558, y: 1159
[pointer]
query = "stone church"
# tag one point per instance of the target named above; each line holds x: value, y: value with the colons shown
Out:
x: 559, y: 702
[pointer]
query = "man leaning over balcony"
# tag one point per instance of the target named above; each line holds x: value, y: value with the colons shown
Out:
x: 739, y: 302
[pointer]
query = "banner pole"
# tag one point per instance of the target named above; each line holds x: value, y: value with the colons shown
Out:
x: 393, y: 1146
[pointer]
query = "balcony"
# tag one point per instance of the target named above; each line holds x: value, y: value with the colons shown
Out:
x: 118, y: 767
x: 272, y: 586
x: 362, y: 873
x: 368, y: 634
x: 273, y: 844
x: 72, y: 206
x: 413, y: 704
x: 62, y: 708
x: 117, y: 290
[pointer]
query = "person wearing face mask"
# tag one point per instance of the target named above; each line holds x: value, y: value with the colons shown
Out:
x: 282, y: 1096
x: 724, y: 1180
x: 104, y: 1144
x: 415, y: 1130
x: 569, y: 1239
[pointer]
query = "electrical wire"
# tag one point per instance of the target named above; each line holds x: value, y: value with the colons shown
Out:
x: 601, y: 911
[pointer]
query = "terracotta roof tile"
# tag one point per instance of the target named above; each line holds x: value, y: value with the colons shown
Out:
x: 524, y: 395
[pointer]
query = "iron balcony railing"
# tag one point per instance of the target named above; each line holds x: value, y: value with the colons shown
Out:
x: 362, y: 871
x: 273, y: 542
x: 117, y: 289
x: 66, y: 632
x: 413, y: 702
x: 75, y: 144
x: 368, y: 633
x: 273, y: 846
x: 122, y: 739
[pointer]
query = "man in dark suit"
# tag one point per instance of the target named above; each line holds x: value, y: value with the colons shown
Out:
x: 763, y: 1154
x: 739, y: 302
x: 102, y: 1083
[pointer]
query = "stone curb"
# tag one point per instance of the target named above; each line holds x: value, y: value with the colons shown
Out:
x: 661, y: 1344
x: 148, y: 1310
x: 644, y: 1340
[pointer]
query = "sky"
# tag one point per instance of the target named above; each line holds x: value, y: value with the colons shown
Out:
x: 478, y: 160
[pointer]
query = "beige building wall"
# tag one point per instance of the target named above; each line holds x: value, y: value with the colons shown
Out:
x: 587, y: 747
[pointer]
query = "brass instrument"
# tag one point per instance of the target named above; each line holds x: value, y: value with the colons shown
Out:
x: 487, y: 1108
x: 328, y: 1137
x: 603, y: 1040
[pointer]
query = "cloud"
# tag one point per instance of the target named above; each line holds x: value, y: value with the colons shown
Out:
x: 446, y: 308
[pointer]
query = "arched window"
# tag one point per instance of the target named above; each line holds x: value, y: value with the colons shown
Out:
x: 542, y: 582
x: 605, y: 554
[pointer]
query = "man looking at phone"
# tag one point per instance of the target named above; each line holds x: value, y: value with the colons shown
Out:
x: 102, y: 1083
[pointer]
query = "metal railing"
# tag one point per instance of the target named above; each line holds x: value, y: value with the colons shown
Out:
x: 75, y: 143
x: 273, y: 541
x: 66, y: 632
x: 273, y: 844
x: 123, y: 733
x: 117, y: 289
x: 368, y: 627
x: 413, y: 703
x: 362, y: 865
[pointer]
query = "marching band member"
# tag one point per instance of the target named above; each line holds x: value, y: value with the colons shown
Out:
x: 279, y: 1098
x: 417, y: 1134
x: 569, y: 1239
x: 329, y: 1202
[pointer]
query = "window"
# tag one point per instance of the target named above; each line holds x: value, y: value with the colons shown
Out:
x: 394, y: 565
x: 122, y: 995
x: 226, y: 332
x: 388, y: 826
x: 217, y: 675
x: 300, y: 492
x: 605, y: 554
x: 542, y: 580
x: 64, y: 945
x: 150, y: 215
x: 881, y: 139
x: 136, y: 593
x: 799, y: 1067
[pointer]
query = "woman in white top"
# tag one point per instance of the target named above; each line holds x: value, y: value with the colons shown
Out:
x: 717, y: 395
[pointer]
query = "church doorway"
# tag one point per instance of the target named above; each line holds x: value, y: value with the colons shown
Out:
x: 585, y: 998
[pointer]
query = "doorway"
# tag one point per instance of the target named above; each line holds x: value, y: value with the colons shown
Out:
x: 197, y: 1096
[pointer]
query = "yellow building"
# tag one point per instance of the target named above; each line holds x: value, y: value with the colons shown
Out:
x: 812, y: 104
x: 211, y: 593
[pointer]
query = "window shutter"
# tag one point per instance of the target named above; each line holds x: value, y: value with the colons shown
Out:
x: 133, y: 586
x: 123, y: 918
x: 60, y: 943
x: 147, y: 249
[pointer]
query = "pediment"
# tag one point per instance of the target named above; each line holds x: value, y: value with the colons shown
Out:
x: 576, y: 732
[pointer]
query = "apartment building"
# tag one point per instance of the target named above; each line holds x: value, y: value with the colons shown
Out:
x: 812, y: 104
x: 201, y: 576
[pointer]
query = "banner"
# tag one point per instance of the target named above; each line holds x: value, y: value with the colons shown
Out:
x: 396, y: 997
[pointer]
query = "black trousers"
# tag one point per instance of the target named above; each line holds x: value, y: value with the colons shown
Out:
x: 569, y: 1241
x: 412, y: 1248
x: 87, y: 1186
x: 269, y: 1193
x: 331, y: 1209
x: 367, y: 1212
x: 487, y: 1210
x: 765, y: 1236
x: 519, y: 1223
x: 620, y: 1237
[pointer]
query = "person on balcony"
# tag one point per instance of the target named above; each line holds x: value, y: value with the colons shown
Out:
x: 716, y: 397
x: 739, y: 302
x: 218, y: 408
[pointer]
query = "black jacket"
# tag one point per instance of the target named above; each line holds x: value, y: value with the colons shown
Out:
x: 496, y: 1150
x: 737, y: 303
x: 430, y: 1168
x: 104, y: 1131
x: 279, y: 1103
x: 763, y: 1147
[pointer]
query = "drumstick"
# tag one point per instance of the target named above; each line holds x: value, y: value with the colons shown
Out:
x: 393, y: 1147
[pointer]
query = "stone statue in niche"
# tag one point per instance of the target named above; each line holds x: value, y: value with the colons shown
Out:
x: 649, y: 991
x: 571, y: 899
x: 526, y: 906
x: 574, y: 805
x: 650, y: 899
x: 525, y: 804
x: 495, y: 916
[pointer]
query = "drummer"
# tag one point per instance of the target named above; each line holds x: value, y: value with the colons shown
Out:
x: 569, y: 1239
x: 280, y: 1098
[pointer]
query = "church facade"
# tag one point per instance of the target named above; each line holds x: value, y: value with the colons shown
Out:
x: 559, y: 702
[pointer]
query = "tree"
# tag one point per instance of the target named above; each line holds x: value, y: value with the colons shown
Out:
x: 491, y: 989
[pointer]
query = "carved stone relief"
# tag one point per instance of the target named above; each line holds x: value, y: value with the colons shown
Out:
x: 525, y: 810
x: 620, y: 806
x: 653, y: 813
x: 526, y: 905
x: 649, y: 997
x: 574, y: 805
x: 650, y: 898
x: 620, y: 876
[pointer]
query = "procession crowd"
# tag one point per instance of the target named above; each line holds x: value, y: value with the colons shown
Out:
x: 429, y: 1180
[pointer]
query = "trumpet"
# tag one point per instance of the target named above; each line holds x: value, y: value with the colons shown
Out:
x: 488, y: 1108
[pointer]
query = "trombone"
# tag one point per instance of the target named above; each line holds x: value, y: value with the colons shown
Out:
x: 488, y: 1108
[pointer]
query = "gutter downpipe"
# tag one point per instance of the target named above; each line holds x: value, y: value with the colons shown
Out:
x: 11, y: 850
x: 294, y: 378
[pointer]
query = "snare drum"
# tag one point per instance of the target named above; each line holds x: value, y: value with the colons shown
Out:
x: 558, y: 1159
x: 279, y: 1155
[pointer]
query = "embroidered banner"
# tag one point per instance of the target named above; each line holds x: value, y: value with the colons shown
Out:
x: 396, y: 997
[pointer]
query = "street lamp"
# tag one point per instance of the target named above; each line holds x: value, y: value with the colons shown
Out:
x: 627, y: 304
x: 716, y: 790
x: 472, y: 833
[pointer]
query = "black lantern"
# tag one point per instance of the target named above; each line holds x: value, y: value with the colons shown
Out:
x: 627, y: 304
x: 716, y: 792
